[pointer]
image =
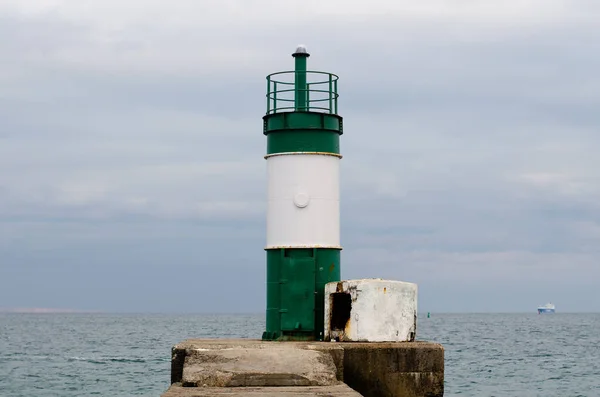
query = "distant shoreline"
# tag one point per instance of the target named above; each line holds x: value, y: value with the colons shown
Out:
x: 44, y: 310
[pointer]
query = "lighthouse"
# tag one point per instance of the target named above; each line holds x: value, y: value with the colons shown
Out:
x: 306, y: 299
x: 303, y: 129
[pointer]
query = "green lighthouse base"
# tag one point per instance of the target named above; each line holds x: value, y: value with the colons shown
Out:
x: 296, y: 279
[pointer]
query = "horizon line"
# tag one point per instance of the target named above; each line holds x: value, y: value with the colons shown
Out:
x: 43, y: 310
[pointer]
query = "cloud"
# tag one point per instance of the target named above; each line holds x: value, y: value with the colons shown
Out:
x: 131, y: 145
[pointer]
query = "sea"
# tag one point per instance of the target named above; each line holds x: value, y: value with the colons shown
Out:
x: 486, y: 355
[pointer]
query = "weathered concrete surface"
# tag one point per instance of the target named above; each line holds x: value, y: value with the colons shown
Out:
x: 246, y: 364
x: 412, y: 369
x: 298, y: 391
x: 405, y: 369
x: 190, y: 346
x: 370, y: 310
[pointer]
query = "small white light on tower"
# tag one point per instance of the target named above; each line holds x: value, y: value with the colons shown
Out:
x: 301, y: 49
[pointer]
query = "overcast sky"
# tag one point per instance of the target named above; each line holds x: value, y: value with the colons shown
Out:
x: 132, y: 175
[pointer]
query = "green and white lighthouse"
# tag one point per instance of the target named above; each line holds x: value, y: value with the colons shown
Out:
x: 303, y: 214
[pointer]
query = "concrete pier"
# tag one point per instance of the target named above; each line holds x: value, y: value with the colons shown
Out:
x: 300, y: 391
x: 245, y: 367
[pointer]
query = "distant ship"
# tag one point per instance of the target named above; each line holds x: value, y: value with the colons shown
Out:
x: 547, y: 308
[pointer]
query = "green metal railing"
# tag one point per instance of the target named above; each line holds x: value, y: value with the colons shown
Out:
x: 318, y: 94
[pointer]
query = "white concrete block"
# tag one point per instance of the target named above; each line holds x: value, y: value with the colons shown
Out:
x: 370, y: 310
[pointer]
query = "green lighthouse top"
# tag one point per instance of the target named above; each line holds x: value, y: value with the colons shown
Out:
x: 302, y: 90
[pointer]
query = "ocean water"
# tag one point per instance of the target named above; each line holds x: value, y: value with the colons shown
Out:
x: 129, y: 355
